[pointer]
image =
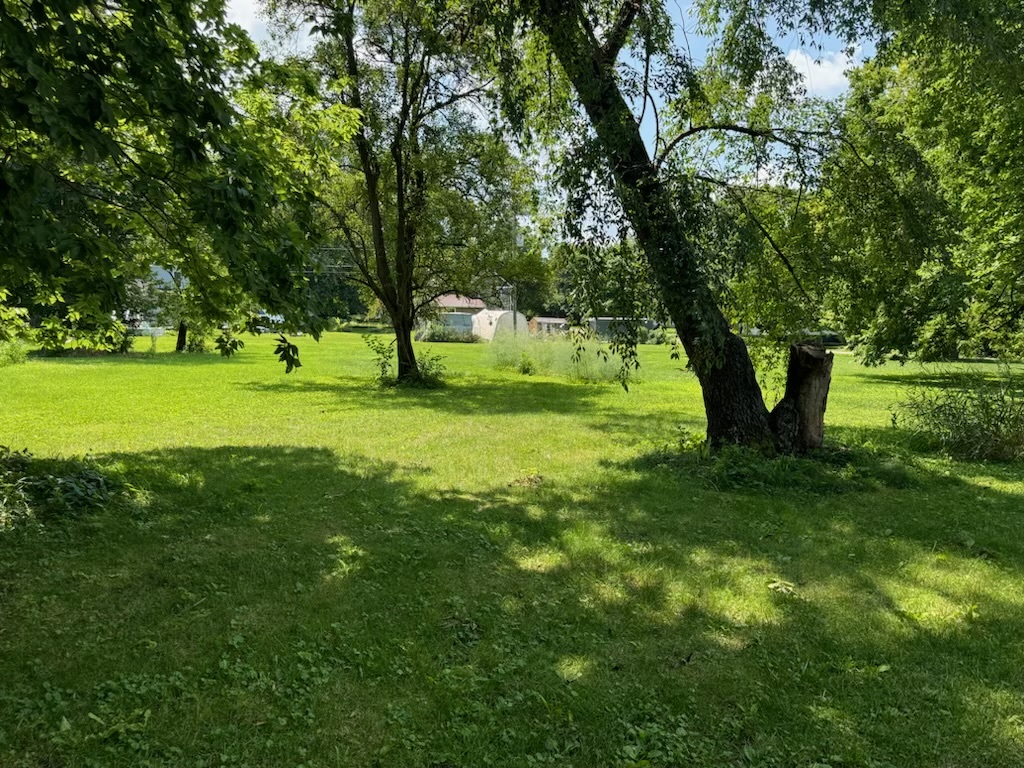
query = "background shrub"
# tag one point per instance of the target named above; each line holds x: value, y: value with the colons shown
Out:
x: 554, y: 356
x: 972, y: 417
x: 442, y: 333
x: 11, y: 353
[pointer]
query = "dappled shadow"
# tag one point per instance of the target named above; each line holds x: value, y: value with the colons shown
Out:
x: 940, y: 377
x: 267, y: 600
x: 140, y: 357
x: 462, y: 395
x: 631, y: 428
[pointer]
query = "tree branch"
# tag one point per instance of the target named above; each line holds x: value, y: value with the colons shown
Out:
x: 616, y: 36
x: 762, y: 228
x: 440, y: 105
x: 772, y: 134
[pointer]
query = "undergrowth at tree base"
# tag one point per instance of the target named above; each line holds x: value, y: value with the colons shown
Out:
x: 830, y: 470
x: 429, y: 374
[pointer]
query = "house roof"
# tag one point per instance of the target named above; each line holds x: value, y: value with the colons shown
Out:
x: 455, y: 301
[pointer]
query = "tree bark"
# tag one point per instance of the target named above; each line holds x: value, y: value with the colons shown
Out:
x: 798, y: 420
x: 179, y: 345
x: 733, y: 401
x: 408, y: 368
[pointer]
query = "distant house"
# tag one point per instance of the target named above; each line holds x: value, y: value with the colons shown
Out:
x: 453, y: 302
x: 549, y: 326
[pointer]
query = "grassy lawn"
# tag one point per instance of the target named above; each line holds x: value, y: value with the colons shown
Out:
x: 501, y: 572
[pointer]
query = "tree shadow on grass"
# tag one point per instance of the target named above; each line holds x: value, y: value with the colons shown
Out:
x: 939, y: 377
x: 160, y: 358
x: 271, y: 605
x: 462, y: 396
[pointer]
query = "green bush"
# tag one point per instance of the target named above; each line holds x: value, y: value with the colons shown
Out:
x: 432, y: 371
x: 973, y: 417
x: 57, y: 337
x: 440, y: 332
x: 430, y: 367
x: 526, y: 365
x: 197, y: 342
x: 117, y: 339
x: 11, y: 353
x: 383, y: 357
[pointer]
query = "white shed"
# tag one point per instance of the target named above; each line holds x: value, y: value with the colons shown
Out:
x: 491, y: 322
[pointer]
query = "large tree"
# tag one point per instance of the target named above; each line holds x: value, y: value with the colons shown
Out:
x: 921, y: 207
x: 427, y: 197
x: 616, y: 55
x: 597, y: 46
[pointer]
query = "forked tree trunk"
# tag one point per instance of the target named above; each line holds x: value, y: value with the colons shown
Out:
x: 179, y: 345
x: 798, y: 421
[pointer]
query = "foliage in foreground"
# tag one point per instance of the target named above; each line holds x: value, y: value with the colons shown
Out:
x: 45, y: 490
x: 975, y: 417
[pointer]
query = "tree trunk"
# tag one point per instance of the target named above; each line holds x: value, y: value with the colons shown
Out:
x: 732, y: 398
x: 408, y: 369
x: 733, y: 401
x: 798, y: 421
x: 179, y: 346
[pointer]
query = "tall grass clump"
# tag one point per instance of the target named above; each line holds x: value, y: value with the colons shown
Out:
x: 557, y: 356
x: 973, y: 417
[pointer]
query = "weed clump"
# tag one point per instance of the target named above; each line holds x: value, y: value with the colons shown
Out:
x: 974, y: 418
x: 431, y: 370
x: 46, y: 490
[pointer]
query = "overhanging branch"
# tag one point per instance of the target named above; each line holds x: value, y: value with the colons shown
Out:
x: 763, y: 230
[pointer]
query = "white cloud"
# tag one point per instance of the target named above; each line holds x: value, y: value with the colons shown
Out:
x: 248, y: 15
x: 823, y: 73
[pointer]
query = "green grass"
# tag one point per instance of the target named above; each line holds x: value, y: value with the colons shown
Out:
x: 501, y: 572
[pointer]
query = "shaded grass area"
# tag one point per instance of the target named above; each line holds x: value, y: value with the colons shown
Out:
x: 296, y: 587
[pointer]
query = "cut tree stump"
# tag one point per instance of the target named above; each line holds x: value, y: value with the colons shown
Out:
x: 798, y: 421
